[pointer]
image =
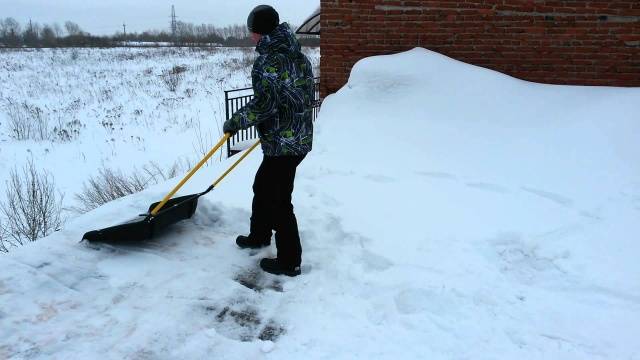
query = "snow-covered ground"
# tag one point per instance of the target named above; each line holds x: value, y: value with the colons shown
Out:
x: 446, y: 212
x: 117, y: 107
x: 152, y: 43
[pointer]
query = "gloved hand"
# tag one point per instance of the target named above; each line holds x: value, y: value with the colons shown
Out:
x: 228, y: 128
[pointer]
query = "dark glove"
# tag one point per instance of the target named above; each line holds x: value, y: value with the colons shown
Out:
x: 228, y: 128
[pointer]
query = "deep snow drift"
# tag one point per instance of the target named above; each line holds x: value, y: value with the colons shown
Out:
x: 446, y: 211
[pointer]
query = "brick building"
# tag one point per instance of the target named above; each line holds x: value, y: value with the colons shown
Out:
x: 550, y: 41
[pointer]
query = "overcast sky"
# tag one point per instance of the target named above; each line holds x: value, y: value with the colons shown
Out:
x: 106, y: 16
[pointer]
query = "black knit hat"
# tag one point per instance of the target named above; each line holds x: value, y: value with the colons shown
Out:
x: 263, y: 19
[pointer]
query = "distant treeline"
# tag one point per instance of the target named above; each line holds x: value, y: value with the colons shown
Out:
x: 32, y: 34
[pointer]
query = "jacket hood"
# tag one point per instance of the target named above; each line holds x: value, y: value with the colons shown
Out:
x: 281, y: 40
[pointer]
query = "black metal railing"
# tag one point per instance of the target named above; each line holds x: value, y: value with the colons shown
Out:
x: 237, y: 98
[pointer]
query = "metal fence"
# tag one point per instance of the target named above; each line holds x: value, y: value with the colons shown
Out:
x: 237, y: 98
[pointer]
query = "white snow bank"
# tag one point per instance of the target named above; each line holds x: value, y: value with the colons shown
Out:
x: 447, y: 211
x: 434, y: 106
x: 468, y: 147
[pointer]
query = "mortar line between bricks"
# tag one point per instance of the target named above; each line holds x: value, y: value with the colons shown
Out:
x: 610, y: 17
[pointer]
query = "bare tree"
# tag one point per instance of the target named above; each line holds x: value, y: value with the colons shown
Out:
x: 4, y: 246
x: 232, y: 33
x: 57, y: 30
x: 48, y: 36
x: 10, y: 31
x: 8, y: 26
x: 31, y: 34
x: 73, y: 29
x: 185, y: 33
x: 33, y: 207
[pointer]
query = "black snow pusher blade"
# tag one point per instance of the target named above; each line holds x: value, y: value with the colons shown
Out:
x: 164, y: 213
x: 145, y: 226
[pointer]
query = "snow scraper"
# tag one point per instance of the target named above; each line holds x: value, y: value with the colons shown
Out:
x: 163, y: 213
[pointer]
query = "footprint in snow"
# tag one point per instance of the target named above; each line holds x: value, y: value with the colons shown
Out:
x: 556, y: 198
x: 419, y: 300
x: 380, y: 178
x: 324, y: 199
x: 437, y: 175
x: 329, y: 201
x: 488, y: 187
x: 43, y: 265
x: 591, y: 216
x: 258, y: 281
x: 524, y: 261
x: 375, y: 262
x: 243, y: 322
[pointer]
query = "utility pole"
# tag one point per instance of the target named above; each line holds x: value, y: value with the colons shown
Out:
x: 174, y: 23
x: 124, y: 30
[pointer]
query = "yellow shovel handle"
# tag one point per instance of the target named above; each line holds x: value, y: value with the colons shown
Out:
x: 246, y: 153
x: 190, y: 174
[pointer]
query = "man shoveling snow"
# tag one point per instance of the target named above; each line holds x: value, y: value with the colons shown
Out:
x: 281, y: 111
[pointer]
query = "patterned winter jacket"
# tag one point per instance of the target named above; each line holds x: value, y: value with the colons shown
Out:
x: 283, y: 88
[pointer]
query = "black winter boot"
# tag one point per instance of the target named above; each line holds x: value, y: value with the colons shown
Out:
x: 273, y: 266
x: 247, y: 242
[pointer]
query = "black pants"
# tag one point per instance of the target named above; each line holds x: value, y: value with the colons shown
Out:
x: 272, y: 208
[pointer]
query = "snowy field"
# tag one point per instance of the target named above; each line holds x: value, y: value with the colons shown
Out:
x: 475, y: 216
x: 121, y: 109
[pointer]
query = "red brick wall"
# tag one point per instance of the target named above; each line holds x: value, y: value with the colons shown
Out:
x: 551, y: 41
